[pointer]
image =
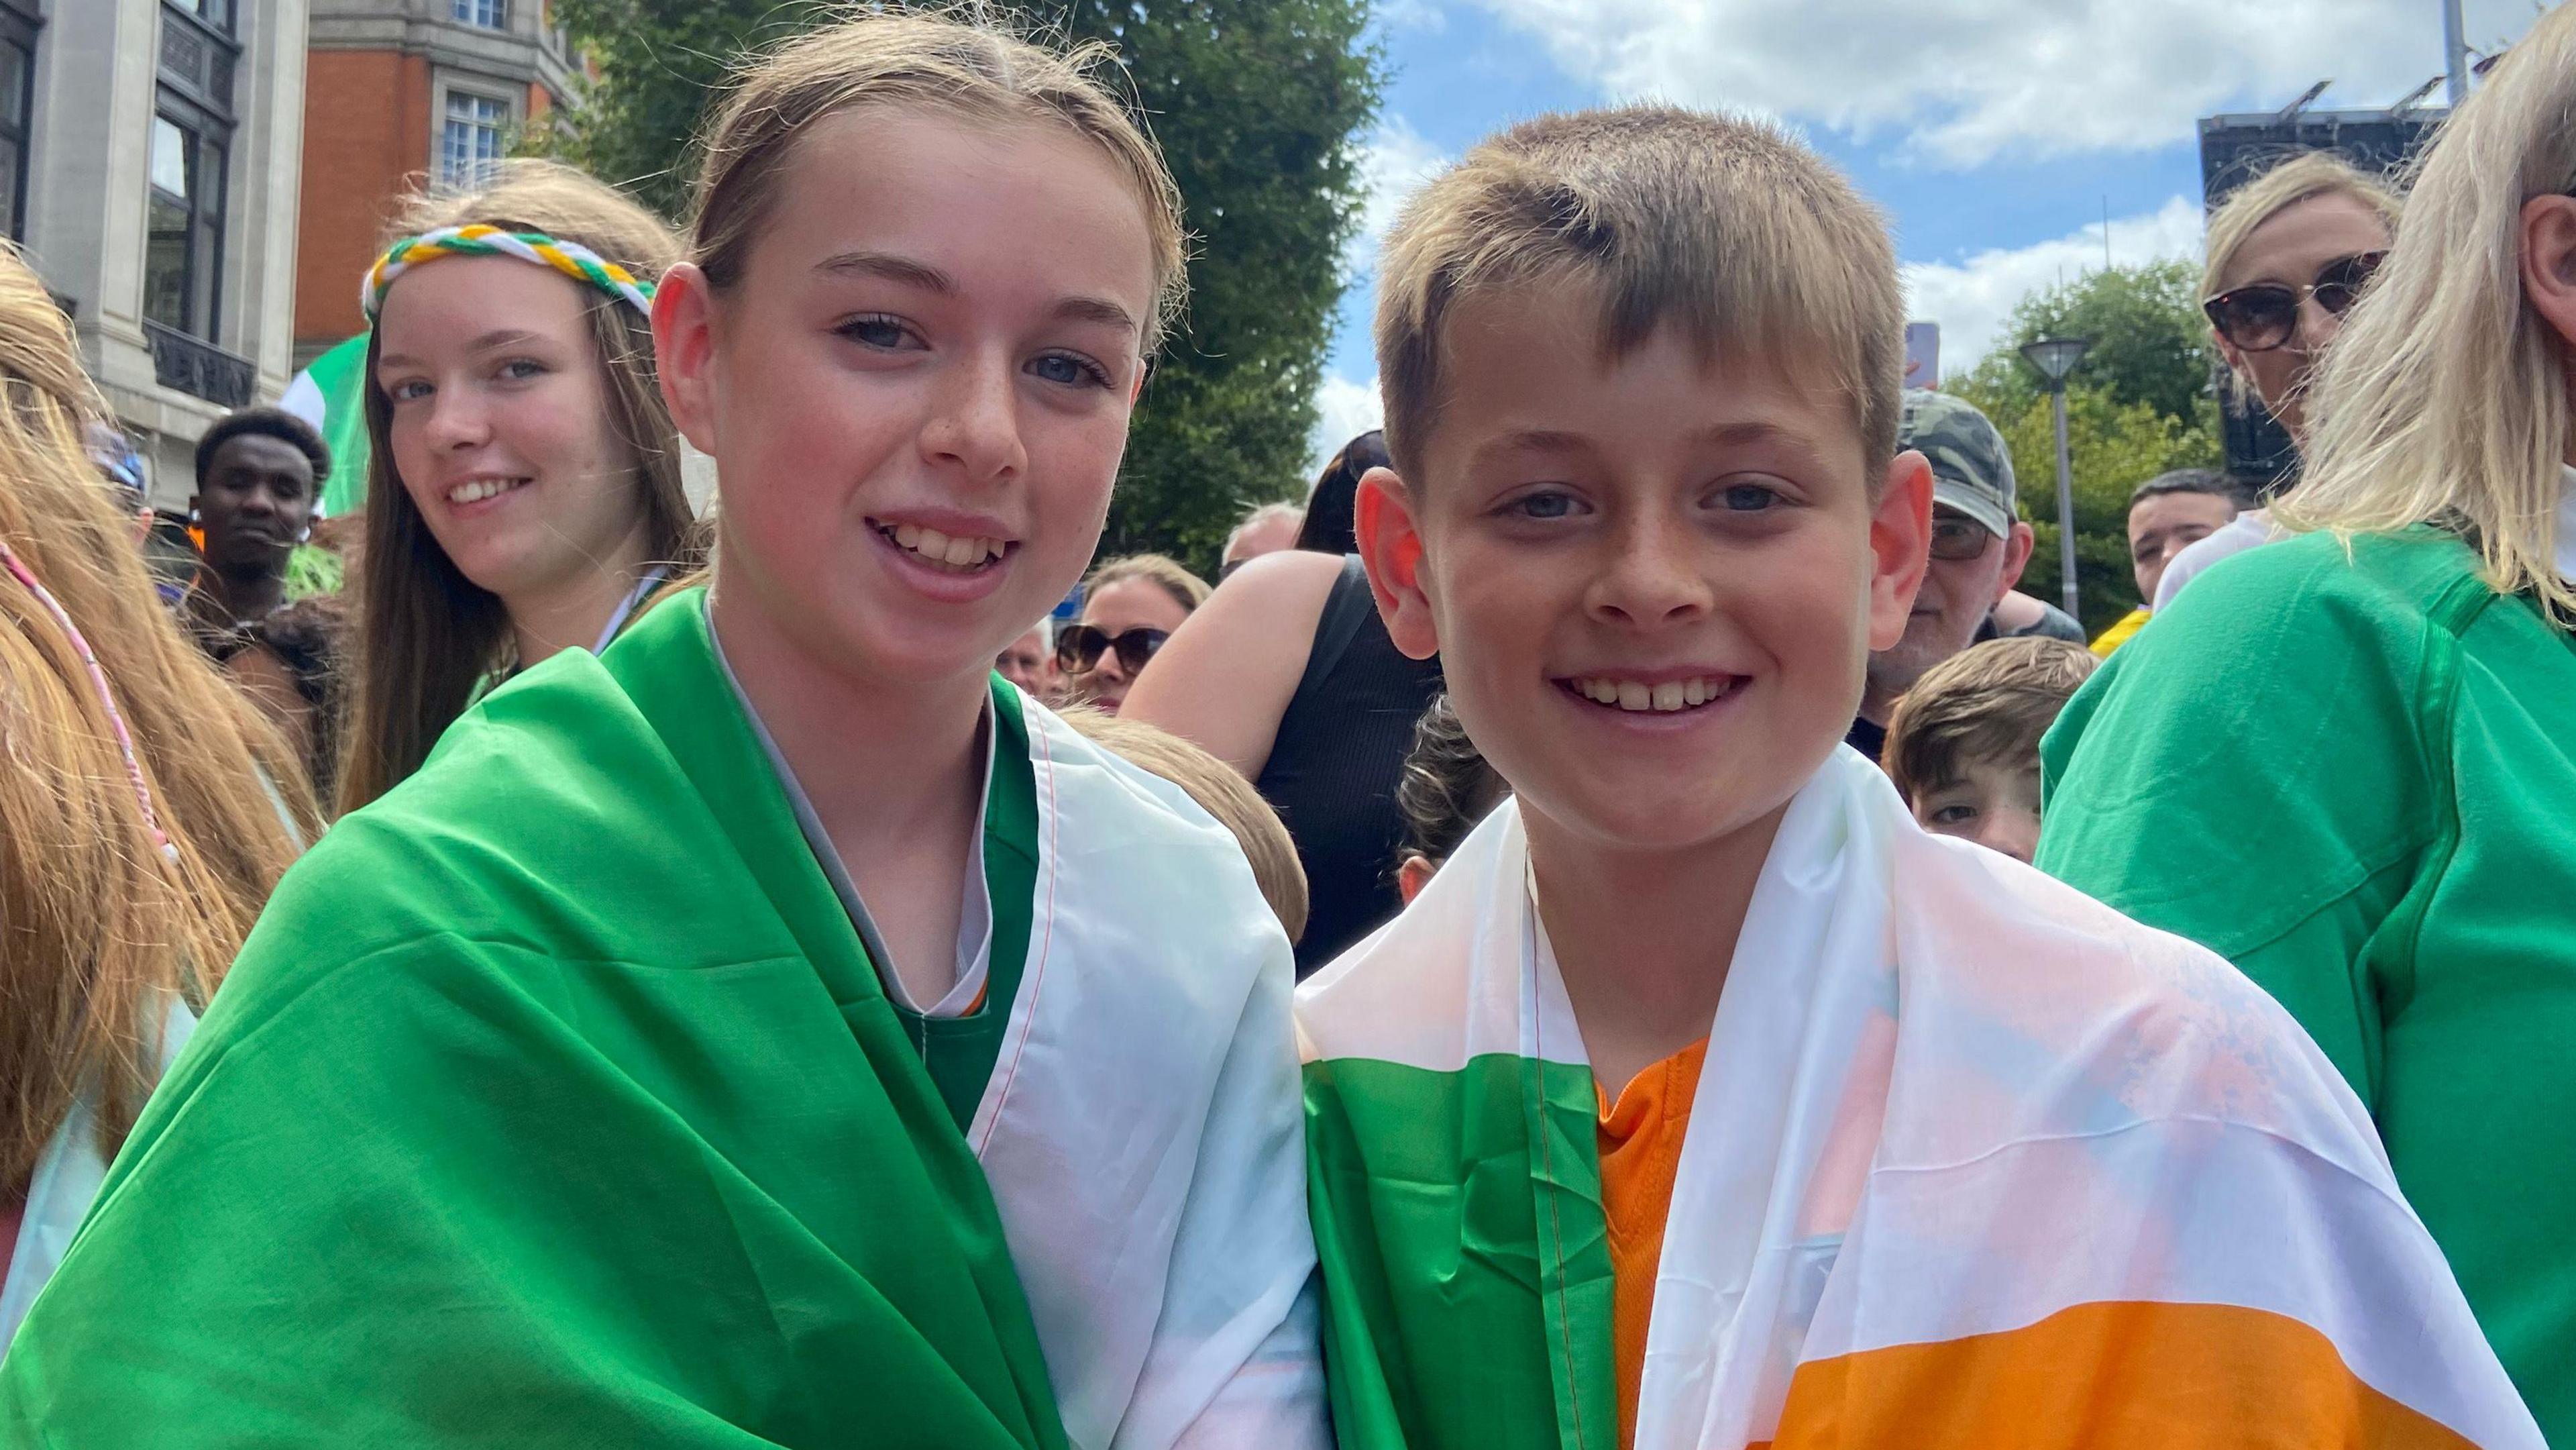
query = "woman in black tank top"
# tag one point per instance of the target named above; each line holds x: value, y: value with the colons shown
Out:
x: 1333, y: 769
x: 1320, y: 721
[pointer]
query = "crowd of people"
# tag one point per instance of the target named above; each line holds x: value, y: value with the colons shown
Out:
x: 1612, y: 923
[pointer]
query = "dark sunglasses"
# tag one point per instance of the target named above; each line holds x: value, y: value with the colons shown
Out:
x: 1956, y: 538
x: 2265, y: 315
x: 1079, y: 647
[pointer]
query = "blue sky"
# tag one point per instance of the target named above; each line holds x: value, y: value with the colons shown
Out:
x: 1996, y: 133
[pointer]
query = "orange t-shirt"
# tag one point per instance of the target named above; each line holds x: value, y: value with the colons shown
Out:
x: 1640, y: 1140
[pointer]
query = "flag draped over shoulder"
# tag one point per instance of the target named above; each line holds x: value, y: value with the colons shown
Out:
x: 1974, y: 1161
x: 554, y: 1102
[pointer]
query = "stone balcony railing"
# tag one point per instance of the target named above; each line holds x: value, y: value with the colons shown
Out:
x: 200, y: 369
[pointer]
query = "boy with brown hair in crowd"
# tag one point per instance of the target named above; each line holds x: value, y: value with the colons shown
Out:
x: 1963, y: 744
x: 1983, y: 1162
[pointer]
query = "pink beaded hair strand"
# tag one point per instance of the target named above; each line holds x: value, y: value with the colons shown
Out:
x: 106, y: 698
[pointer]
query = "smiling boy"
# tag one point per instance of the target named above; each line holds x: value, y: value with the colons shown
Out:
x: 1982, y: 1162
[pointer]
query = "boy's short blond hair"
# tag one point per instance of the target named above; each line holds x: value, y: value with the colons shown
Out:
x: 1722, y: 226
x: 1991, y: 701
x: 1222, y: 793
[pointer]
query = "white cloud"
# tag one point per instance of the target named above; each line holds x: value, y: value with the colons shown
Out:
x: 1971, y: 298
x: 1344, y: 410
x: 1394, y: 164
x: 1411, y: 15
x: 1963, y: 81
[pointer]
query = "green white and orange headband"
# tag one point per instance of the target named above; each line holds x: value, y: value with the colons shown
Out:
x: 477, y: 239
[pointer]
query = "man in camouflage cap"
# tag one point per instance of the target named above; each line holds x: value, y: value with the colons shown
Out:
x: 1979, y: 545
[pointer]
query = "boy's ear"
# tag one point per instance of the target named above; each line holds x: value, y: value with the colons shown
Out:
x: 1390, y: 540
x: 1900, y: 547
x: 684, y: 352
x: 1412, y: 875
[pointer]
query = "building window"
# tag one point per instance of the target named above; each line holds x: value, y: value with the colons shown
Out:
x: 485, y: 14
x: 184, y: 250
x: 471, y: 144
x: 17, y: 101
x: 218, y: 14
x: 188, y: 158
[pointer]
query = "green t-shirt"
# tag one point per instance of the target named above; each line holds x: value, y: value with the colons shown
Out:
x: 2355, y: 777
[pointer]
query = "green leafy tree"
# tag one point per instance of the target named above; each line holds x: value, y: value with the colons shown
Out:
x: 2112, y: 446
x: 1256, y: 104
x: 2139, y: 404
x: 2150, y: 342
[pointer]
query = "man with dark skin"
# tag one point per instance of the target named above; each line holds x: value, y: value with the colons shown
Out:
x: 258, y: 472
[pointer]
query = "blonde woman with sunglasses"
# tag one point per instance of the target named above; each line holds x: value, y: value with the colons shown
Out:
x: 2348, y: 762
x: 2289, y: 253
x: 1129, y: 607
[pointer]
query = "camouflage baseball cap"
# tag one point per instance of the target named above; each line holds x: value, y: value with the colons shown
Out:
x: 1971, y: 469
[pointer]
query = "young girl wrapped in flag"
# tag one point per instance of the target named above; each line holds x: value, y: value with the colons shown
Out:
x: 776, y: 1031
x: 1702, y: 1099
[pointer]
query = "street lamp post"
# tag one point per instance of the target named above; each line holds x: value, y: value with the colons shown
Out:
x: 2055, y: 357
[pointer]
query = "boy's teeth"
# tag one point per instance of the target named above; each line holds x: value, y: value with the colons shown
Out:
x: 1637, y: 696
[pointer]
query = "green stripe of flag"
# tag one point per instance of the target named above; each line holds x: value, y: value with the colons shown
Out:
x: 1466, y: 1259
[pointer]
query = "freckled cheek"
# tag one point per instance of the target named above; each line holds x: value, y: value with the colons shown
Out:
x: 1492, y: 611
x: 1073, y: 465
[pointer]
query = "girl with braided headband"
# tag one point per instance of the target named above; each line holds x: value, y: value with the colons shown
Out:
x: 525, y: 488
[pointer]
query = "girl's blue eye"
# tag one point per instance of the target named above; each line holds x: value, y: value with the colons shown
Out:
x: 1748, y: 497
x: 874, y: 331
x: 404, y: 392
x: 1065, y: 368
x: 519, y: 369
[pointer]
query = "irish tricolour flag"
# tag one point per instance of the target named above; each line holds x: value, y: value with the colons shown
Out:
x: 1973, y: 1161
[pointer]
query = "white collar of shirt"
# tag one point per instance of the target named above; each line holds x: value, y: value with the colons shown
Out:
x: 975, y: 905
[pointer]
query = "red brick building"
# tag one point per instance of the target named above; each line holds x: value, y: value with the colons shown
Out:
x: 397, y: 92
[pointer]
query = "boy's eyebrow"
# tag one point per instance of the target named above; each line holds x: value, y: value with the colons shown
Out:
x: 1533, y: 440
x: 1752, y: 430
x: 900, y: 270
x: 1546, y: 440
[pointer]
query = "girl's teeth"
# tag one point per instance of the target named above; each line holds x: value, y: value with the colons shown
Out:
x: 480, y: 489
x: 959, y: 552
